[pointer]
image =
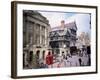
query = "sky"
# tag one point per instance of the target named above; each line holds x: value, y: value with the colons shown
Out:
x: 82, y: 19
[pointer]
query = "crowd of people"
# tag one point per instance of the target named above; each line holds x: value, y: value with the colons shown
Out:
x: 77, y: 58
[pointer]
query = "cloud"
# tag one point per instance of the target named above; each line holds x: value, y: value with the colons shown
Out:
x: 55, y: 17
x: 82, y: 22
x: 82, y: 19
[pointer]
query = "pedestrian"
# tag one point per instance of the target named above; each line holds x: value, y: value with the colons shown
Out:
x: 85, y: 60
x: 49, y: 60
x: 80, y: 61
x: 63, y: 55
x: 74, y: 59
x: 42, y: 65
x: 61, y: 63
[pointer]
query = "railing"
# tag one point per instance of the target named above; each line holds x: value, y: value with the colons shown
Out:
x: 60, y: 39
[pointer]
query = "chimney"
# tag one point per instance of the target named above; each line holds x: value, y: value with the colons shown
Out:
x: 62, y: 23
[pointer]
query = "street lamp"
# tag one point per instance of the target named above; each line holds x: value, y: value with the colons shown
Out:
x: 64, y: 46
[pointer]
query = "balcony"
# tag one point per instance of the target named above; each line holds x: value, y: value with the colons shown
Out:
x: 60, y: 39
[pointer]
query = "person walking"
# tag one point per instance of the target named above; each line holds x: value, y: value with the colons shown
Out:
x: 74, y: 59
x: 49, y: 60
x: 62, y: 62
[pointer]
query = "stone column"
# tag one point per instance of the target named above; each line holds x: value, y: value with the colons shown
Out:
x: 33, y: 33
x: 45, y: 37
x: 27, y: 33
x: 40, y: 35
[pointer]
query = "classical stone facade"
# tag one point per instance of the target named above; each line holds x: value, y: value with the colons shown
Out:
x: 35, y: 37
x: 63, y: 37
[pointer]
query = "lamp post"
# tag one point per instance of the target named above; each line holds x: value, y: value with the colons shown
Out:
x: 64, y: 46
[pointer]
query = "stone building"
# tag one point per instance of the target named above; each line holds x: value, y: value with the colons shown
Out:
x: 83, y: 41
x: 35, y: 37
x: 63, y: 37
x: 84, y: 37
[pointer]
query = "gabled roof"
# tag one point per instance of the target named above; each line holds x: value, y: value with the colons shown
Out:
x: 68, y: 25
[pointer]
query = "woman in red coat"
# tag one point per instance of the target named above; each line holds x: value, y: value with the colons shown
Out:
x: 49, y: 59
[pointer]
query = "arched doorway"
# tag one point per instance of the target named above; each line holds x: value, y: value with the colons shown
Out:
x: 43, y: 54
x: 37, y: 54
x: 23, y: 60
x: 37, y: 57
x: 30, y: 57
